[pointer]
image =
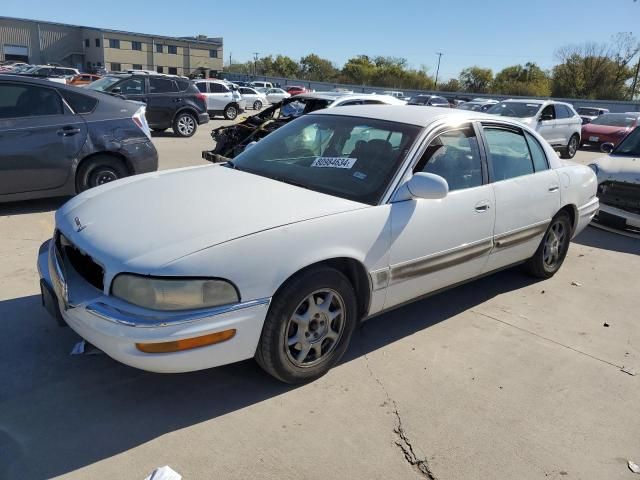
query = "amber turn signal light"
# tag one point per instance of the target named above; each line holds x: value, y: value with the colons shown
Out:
x: 187, y: 343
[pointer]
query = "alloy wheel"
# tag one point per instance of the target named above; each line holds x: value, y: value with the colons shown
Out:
x: 102, y: 176
x: 573, y: 146
x: 554, y: 244
x: 186, y: 125
x: 315, y: 328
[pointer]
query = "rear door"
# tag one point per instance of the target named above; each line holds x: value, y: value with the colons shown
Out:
x: 564, y: 123
x: 527, y: 192
x: 219, y: 97
x: 163, y: 100
x: 39, y: 138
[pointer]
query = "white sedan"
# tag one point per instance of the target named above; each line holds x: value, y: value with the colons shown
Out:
x: 342, y: 214
x: 275, y: 95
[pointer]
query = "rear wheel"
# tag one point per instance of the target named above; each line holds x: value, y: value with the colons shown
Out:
x: 185, y: 124
x: 552, y: 249
x: 572, y: 147
x: 230, y: 112
x: 99, y: 170
x: 309, y: 326
x: 257, y: 105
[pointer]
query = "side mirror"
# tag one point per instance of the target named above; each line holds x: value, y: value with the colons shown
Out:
x: 606, y: 147
x: 116, y: 91
x: 427, y: 186
x: 546, y: 116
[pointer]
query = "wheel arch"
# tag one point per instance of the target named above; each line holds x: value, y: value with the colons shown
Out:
x: 117, y: 155
x: 184, y: 109
x: 572, y: 211
x: 353, y: 269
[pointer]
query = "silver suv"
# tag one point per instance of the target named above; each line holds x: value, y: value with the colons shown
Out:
x: 557, y: 122
x: 222, y: 98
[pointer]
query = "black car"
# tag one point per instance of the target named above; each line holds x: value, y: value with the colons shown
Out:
x: 58, y: 140
x: 430, y: 100
x: 172, y: 101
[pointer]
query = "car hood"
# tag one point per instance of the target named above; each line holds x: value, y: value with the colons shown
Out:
x: 143, y: 222
x: 618, y: 168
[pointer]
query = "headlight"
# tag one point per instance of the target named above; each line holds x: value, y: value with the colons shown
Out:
x: 173, y: 293
x: 594, y: 167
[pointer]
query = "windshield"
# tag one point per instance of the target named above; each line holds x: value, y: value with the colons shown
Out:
x: 615, y: 120
x: 630, y: 145
x: 588, y: 112
x: 103, y: 84
x: 515, y: 109
x: 349, y: 157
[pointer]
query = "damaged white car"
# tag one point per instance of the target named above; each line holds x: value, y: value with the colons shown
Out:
x: 619, y: 183
x: 337, y: 216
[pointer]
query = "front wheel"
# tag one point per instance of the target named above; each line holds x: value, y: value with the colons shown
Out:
x: 185, y: 125
x: 552, y: 249
x: 308, y: 327
x: 571, y: 148
x: 257, y: 105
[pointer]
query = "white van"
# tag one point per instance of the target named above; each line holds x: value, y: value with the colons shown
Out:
x: 261, y: 84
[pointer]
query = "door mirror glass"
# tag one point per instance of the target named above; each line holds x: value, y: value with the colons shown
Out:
x: 546, y: 116
x: 606, y: 147
x: 428, y: 186
x: 116, y: 90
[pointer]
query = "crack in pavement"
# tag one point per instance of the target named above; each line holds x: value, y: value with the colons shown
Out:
x: 403, y: 442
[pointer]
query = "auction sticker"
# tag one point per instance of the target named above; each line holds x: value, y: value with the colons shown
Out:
x: 334, y: 162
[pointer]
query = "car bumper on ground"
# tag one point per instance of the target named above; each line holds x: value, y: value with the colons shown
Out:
x: 108, y: 324
x: 618, y: 217
x: 203, y: 118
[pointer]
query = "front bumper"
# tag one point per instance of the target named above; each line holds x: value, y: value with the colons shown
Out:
x: 620, y: 218
x: 115, y: 327
x: 203, y: 118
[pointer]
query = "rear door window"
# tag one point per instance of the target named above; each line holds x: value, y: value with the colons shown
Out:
x: 217, y: 88
x: 562, y: 112
x: 28, y: 101
x: 202, y: 86
x: 162, y: 85
x: 537, y: 153
x: 509, y: 153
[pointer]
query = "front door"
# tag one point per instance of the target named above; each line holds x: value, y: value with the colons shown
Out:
x: 39, y: 138
x: 527, y: 193
x: 163, y: 101
x: 437, y: 243
x: 547, y: 125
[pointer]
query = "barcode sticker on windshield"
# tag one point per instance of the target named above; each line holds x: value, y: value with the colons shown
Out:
x: 334, y: 162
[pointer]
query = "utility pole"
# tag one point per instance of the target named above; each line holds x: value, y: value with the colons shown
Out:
x: 230, y: 62
x: 635, y: 80
x: 255, y: 63
x: 435, y: 82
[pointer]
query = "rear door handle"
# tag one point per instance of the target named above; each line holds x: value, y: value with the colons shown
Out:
x: 554, y: 188
x: 177, y: 99
x: 482, y: 207
x: 68, y: 131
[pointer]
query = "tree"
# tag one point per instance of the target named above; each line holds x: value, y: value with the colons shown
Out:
x: 527, y: 80
x: 284, y: 66
x: 476, y: 79
x: 596, y: 70
x: 453, y: 85
x: 358, y: 70
x: 313, y: 67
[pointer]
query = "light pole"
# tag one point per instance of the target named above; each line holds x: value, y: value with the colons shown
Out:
x: 255, y: 63
x: 435, y: 82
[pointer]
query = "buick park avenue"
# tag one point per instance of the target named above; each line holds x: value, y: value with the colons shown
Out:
x: 337, y: 216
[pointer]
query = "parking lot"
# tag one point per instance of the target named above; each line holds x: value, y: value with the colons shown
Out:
x: 505, y: 377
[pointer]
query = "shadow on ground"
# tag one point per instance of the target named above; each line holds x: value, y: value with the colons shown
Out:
x: 32, y: 206
x: 605, y: 240
x: 59, y: 413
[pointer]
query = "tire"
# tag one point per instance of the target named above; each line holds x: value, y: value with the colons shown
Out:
x: 185, y: 125
x: 99, y: 170
x: 230, y: 112
x: 300, y: 343
x: 552, y: 250
x: 572, y: 147
x: 257, y: 105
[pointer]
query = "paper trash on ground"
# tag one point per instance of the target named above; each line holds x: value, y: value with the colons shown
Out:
x: 164, y: 473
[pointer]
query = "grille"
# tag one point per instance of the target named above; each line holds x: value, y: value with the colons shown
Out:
x: 81, y: 263
x: 625, y: 196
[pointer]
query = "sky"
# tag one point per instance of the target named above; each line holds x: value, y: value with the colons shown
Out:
x: 489, y: 33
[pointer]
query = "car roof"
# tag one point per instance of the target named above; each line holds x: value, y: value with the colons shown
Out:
x: 408, y: 114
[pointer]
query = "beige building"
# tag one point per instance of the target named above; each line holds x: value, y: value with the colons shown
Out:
x: 88, y: 48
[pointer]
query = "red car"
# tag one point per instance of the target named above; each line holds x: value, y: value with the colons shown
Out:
x: 295, y: 90
x: 608, y: 128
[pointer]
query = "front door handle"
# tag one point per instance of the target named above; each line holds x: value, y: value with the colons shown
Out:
x: 68, y: 131
x: 482, y: 207
x: 554, y: 188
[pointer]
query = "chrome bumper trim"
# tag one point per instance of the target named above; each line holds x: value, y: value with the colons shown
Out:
x: 161, y: 319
